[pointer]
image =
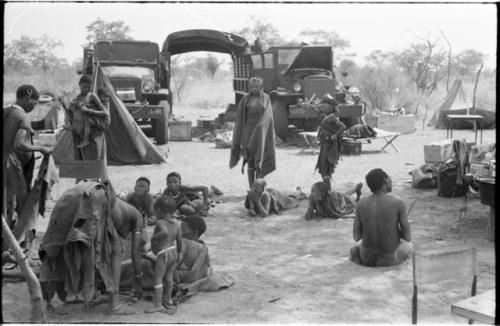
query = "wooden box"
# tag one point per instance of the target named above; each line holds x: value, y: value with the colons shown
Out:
x: 180, y: 130
x: 438, y: 152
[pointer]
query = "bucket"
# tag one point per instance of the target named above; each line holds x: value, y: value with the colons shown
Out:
x: 447, y: 183
x: 351, y: 147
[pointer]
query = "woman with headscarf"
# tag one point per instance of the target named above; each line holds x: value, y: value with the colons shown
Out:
x: 89, y: 118
x: 253, y: 135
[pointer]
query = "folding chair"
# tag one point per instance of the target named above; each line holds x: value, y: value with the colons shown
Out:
x: 432, y: 266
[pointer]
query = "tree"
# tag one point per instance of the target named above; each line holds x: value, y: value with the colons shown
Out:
x: 28, y: 53
x: 322, y: 37
x: 212, y: 64
x: 423, y: 62
x: 99, y: 30
x: 262, y: 30
x: 468, y: 61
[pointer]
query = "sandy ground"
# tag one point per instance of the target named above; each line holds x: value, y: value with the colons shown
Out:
x: 286, y: 269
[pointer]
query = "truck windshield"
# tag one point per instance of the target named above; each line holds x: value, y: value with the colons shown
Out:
x: 128, y: 72
x: 286, y: 56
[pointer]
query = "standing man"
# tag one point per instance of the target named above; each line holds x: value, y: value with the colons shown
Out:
x: 18, y: 160
x: 381, y: 226
x: 253, y: 135
x: 330, y: 139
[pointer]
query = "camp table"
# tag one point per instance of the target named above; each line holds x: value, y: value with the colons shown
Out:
x: 388, y: 136
x: 311, y: 140
x: 467, y: 117
x: 480, y: 308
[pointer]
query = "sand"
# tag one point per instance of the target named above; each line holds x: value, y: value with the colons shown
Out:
x: 287, y: 269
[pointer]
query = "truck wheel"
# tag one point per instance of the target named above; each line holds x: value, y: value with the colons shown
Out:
x: 280, y: 114
x: 161, y: 127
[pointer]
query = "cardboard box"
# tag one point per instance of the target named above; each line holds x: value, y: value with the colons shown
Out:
x: 180, y: 130
x: 438, y: 152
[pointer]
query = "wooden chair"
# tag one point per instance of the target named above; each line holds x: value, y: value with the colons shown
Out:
x: 432, y: 266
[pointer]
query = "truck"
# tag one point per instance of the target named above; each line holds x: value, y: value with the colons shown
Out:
x: 301, y: 83
x: 140, y: 77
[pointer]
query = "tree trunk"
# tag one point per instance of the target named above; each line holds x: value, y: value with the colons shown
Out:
x: 37, y: 312
x: 475, y: 87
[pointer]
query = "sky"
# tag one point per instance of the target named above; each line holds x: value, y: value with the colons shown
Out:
x: 367, y: 26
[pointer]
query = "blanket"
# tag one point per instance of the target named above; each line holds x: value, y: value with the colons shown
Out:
x: 80, y: 238
x: 259, y: 146
x: 35, y: 202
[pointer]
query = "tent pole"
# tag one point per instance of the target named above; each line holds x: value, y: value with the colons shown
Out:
x: 475, y: 89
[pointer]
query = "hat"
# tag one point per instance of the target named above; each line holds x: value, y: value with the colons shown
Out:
x: 85, y: 79
x: 27, y: 90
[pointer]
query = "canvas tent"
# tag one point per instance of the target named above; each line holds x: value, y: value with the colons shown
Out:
x: 457, y: 102
x: 126, y: 143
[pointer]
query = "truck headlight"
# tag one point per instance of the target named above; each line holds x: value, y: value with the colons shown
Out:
x: 297, y: 87
x: 147, y: 86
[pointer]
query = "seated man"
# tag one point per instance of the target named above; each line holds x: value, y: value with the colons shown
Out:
x: 331, y: 204
x: 262, y: 201
x: 380, y: 226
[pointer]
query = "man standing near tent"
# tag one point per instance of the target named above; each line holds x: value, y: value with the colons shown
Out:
x: 18, y: 160
x: 89, y: 119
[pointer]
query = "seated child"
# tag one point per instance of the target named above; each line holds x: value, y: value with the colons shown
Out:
x: 262, y: 201
x: 331, y: 204
x: 142, y: 199
x: 188, y: 202
x: 166, y: 244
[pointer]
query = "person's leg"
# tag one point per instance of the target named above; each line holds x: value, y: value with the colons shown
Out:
x: 250, y: 174
x: 114, y: 306
x: 187, y: 210
x: 354, y: 255
x: 160, y: 269
x: 327, y: 181
x: 169, y: 282
x: 198, y: 206
x: 403, y: 251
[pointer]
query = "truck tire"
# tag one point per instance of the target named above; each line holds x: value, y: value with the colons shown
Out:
x: 280, y: 115
x: 161, y: 126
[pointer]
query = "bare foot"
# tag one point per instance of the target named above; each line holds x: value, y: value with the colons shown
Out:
x: 358, y: 190
x: 120, y: 310
x: 156, y: 309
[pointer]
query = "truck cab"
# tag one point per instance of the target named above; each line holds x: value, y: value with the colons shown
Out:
x: 140, y: 78
x: 301, y: 83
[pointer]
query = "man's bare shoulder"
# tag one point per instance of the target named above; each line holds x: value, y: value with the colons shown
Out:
x: 395, y: 199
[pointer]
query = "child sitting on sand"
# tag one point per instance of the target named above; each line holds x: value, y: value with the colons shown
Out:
x: 166, y: 244
x: 142, y: 199
x: 187, y: 198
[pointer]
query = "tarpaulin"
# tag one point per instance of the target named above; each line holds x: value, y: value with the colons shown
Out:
x: 126, y: 143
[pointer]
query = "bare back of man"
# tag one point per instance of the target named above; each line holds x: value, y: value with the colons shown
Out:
x: 381, y: 226
x: 381, y: 218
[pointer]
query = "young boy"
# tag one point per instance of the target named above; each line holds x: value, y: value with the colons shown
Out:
x: 186, y: 198
x: 166, y: 244
x: 142, y: 199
